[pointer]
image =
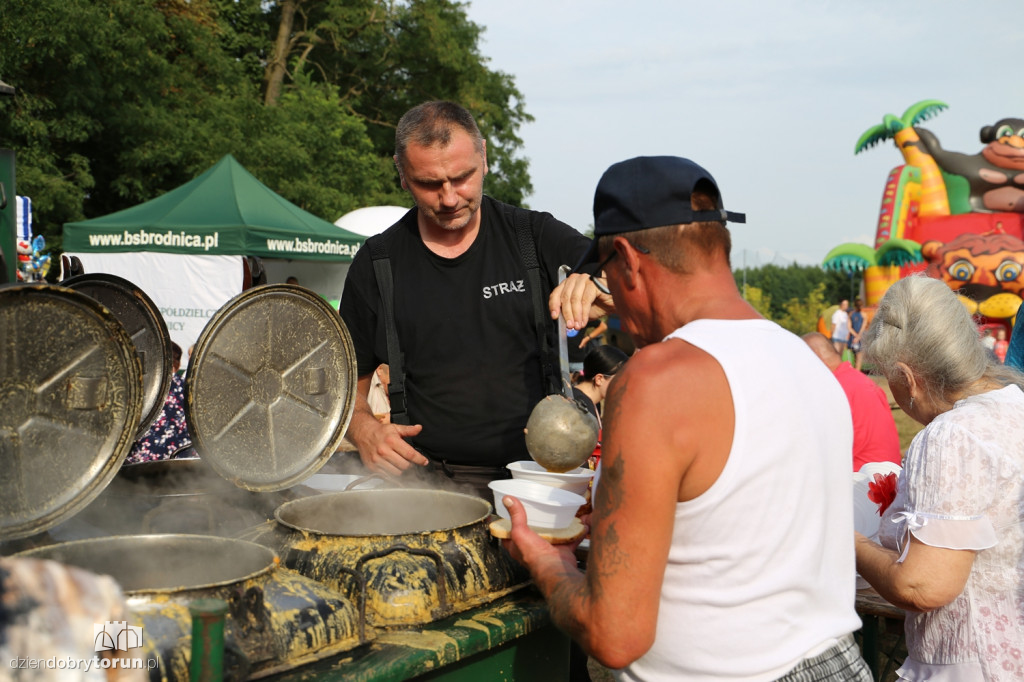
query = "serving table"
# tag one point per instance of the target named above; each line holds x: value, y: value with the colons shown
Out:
x: 875, y: 614
x: 509, y: 639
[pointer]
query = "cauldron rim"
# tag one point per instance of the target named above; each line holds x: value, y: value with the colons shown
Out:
x: 271, y: 565
x: 308, y: 501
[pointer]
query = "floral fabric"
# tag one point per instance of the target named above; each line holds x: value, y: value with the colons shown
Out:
x: 962, y: 487
x: 168, y: 433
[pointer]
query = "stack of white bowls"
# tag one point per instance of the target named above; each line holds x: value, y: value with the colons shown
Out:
x: 551, y: 499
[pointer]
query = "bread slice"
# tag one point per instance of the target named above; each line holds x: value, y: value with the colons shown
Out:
x: 502, y: 529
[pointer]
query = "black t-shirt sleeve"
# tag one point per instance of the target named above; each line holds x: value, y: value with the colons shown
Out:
x: 557, y: 244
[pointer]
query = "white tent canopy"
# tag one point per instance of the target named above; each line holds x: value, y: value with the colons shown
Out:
x: 371, y: 220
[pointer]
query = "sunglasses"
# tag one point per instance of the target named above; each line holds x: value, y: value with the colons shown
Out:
x: 601, y: 286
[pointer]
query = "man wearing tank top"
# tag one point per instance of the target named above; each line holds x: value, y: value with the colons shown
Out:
x: 719, y: 537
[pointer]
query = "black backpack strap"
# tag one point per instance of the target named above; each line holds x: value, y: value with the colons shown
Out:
x: 550, y: 373
x: 385, y: 285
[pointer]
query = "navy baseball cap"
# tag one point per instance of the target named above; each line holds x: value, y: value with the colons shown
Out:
x: 652, y: 191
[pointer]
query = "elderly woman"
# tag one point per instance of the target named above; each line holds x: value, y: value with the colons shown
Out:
x: 952, y: 551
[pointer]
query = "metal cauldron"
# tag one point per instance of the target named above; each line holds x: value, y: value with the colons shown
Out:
x: 406, y: 556
x: 179, y: 496
x: 276, y: 620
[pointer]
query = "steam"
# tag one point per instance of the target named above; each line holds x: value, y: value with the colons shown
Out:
x: 188, y: 497
x: 155, y: 563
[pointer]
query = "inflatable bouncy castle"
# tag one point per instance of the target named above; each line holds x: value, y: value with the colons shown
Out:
x: 958, y: 217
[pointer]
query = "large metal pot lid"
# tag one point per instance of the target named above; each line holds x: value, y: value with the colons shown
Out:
x: 271, y: 387
x: 70, y: 401
x: 140, y: 316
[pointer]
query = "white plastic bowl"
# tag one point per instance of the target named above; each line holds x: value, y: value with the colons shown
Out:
x: 865, y: 512
x: 546, y: 507
x: 575, y: 481
x: 884, y: 468
x: 333, y: 483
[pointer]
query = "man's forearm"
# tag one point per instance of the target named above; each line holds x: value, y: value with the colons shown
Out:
x: 564, y: 588
x: 362, y: 420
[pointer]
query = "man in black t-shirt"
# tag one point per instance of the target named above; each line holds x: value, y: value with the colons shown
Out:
x: 462, y: 308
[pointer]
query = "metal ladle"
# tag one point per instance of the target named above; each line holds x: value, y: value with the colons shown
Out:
x: 561, y: 433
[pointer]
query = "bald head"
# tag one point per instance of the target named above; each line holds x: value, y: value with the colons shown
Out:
x: 823, y: 348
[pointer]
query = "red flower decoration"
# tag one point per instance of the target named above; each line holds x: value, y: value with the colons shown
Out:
x: 882, y: 490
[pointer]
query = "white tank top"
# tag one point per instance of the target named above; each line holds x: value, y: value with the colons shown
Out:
x: 761, y: 570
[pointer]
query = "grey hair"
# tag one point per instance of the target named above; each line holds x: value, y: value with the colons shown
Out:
x: 921, y: 323
x: 430, y: 124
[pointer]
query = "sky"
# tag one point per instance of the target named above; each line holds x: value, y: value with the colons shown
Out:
x: 770, y: 97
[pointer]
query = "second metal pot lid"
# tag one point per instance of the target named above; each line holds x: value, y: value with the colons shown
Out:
x: 270, y: 387
x: 70, y: 400
x: 142, y: 319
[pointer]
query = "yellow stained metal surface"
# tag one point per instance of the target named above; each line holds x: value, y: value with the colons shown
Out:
x: 430, y: 640
x: 276, y: 621
x: 409, y: 579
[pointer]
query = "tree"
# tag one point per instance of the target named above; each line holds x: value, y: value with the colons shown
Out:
x: 120, y: 101
x: 759, y: 300
x: 386, y: 57
x: 780, y: 285
x: 795, y: 295
x: 306, y: 130
x: 110, y: 99
x: 800, y: 316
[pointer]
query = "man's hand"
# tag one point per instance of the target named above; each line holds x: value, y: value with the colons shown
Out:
x: 579, y: 301
x: 383, y: 449
x: 528, y: 548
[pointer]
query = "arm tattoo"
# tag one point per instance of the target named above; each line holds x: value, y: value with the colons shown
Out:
x: 571, y: 594
x: 607, y: 558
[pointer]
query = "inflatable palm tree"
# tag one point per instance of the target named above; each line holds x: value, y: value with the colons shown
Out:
x: 933, y: 199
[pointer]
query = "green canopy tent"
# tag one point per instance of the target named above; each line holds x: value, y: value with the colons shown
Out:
x: 224, y: 211
x: 185, y: 248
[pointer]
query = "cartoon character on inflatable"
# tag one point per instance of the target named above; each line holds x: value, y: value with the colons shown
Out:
x: 958, y: 217
x: 995, y: 176
x: 984, y: 270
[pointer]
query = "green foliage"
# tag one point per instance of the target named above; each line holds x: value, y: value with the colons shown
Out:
x: 386, y: 58
x: 119, y: 101
x: 313, y: 133
x: 780, y: 285
x: 760, y: 301
x: 801, y: 315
